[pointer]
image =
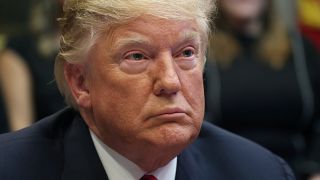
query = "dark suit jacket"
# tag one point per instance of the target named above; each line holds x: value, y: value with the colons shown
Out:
x: 60, y: 147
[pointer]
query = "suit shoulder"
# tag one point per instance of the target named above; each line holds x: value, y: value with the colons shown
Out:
x: 47, y: 128
x: 230, y: 153
x: 225, y: 139
x: 26, y: 151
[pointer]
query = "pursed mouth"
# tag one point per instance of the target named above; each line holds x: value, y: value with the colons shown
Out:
x: 170, y: 112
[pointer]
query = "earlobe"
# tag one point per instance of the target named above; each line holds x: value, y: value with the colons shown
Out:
x: 76, y: 79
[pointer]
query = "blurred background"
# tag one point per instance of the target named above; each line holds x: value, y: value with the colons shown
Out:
x: 262, y: 75
x: 29, y: 40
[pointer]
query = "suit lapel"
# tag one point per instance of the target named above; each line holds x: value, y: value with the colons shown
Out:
x: 81, y: 160
x: 188, y: 168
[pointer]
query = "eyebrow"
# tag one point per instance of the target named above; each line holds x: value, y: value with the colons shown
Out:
x: 133, y: 39
x: 190, y: 36
x: 136, y: 39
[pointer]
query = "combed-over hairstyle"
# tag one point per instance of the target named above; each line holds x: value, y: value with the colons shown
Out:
x: 84, y: 21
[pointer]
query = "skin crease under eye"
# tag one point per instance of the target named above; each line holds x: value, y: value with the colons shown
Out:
x: 134, y: 62
x: 187, y: 64
x: 134, y: 66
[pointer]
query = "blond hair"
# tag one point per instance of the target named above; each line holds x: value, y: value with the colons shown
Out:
x: 85, y: 20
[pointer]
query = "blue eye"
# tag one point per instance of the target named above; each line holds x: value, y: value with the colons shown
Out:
x: 187, y: 53
x: 135, y: 56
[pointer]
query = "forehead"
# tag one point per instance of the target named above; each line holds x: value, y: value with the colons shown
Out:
x: 148, y: 28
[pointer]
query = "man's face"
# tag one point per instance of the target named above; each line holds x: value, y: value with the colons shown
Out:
x: 145, y: 85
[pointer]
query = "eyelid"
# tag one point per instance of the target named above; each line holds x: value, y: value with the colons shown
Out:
x: 189, y: 47
x: 130, y: 53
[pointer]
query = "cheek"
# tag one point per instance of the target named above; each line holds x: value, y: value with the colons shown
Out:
x: 194, y: 92
x: 120, y: 98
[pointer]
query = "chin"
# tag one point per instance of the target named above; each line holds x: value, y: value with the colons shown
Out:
x: 176, y: 135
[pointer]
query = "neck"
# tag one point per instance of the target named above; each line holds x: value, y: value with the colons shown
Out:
x: 149, y: 158
x: 158, y: 159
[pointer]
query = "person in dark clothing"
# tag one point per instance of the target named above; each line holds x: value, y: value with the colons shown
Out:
x: 259, y: 84
x: 47, y: 98
x: 132, y: 72
x: 35, y: 49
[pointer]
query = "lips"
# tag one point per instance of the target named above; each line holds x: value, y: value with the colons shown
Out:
x: 169, y: 112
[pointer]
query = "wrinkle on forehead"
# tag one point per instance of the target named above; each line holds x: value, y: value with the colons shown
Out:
x: 147, y: 22
x: 133, y: 38
x: 142, y: 32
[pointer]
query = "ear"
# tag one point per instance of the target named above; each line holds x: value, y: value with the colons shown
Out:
x: 76, y: 79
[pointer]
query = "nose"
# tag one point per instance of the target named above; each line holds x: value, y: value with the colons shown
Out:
x: 167, y: 81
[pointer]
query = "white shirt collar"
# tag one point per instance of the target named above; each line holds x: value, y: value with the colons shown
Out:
x: 118, y: 167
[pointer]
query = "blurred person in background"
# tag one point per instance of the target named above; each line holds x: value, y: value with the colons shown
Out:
x: 132, y: 72
x: 257, y: 84
x: 309, y: 23
x: 37, y: 48
x: 15, y: 78
x: 15, y: 93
